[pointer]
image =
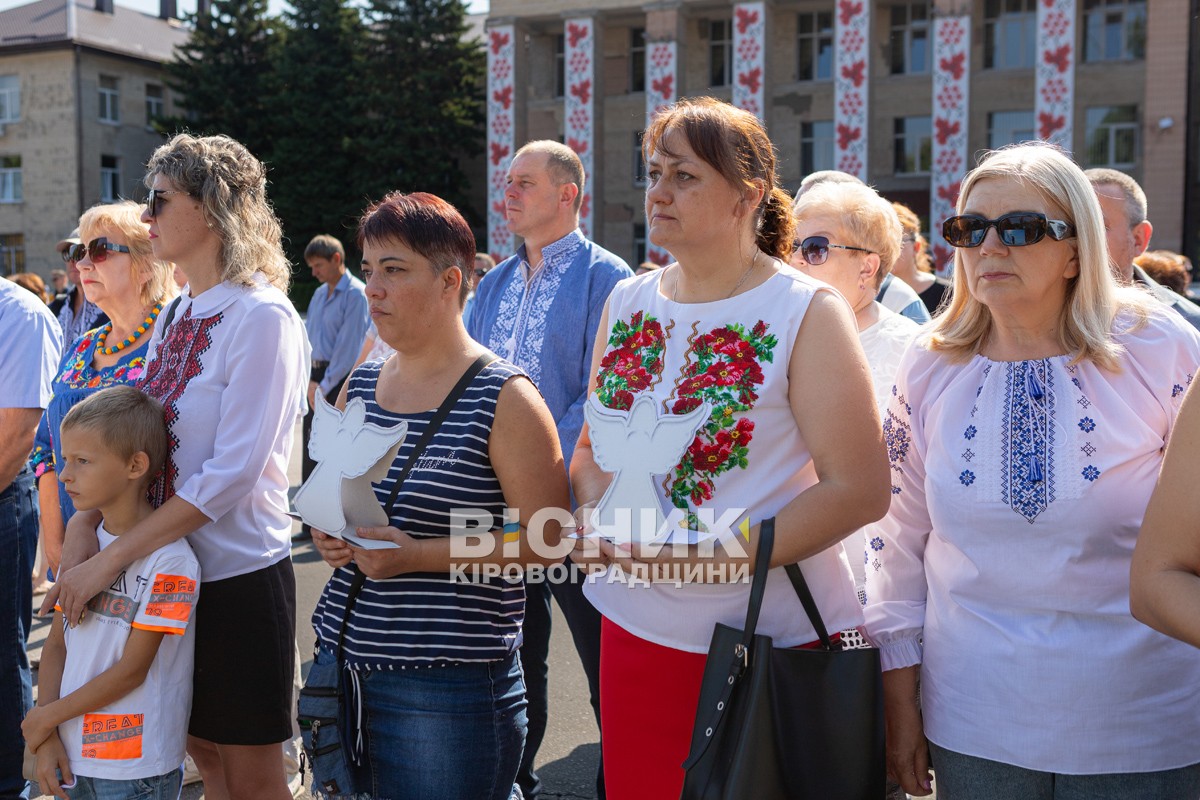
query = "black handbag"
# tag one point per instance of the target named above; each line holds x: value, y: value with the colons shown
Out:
x: 775, y: 723
x: 321, y: 709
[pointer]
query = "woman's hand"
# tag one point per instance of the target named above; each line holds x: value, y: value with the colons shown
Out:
x: 334, y: 551
x: 37, y: 727
x: 52, y: 762
x: 79, y: 545
x: 907, y: 748
x: 78, y: 585
x: 386, y: 562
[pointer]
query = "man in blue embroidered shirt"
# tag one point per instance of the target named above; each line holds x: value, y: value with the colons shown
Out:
x: 540, y: 309
x: 337, y: 324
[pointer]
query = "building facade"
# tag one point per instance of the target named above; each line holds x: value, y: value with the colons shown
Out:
x: 904, y: 93
x: 80, y: 87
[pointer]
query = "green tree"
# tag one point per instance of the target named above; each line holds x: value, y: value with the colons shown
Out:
x: 317, y: 106
x: 425, y: 94
x: 223, y: 73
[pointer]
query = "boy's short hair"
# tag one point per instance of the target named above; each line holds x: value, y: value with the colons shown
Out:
x: 324, y: 246
x: 128, y: 422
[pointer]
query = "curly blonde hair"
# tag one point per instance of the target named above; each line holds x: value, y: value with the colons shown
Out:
x: 231, y: 186
x: 1093, y: 301
x: 153, y: 276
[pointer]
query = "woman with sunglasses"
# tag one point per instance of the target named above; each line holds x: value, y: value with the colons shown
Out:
x: 774, y: 356
x: 120, y: 274
x: 1025, y: 434
x: 229, y: 361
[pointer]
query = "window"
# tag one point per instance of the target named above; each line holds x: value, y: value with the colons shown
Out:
x: 1112, y: 133
x: 156, y: 105
x: 110, y: 99
x: 639, y: 163
x: 1009, y: 127
x: 720, y: 52
x: 816, y: 146
x: 914, y: 145
x: 639, y: 242
x: 110, y: 178
x: 10, y: 180
x: 560, y: 65
x: 910, y: 38
x: 1009, y: 34
x: 1114, y: 30
x: 10, y: 98
x: 637, y: 59
x: 815, y: 45
x: 12, y: 252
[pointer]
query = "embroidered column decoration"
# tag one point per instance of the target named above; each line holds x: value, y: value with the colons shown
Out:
x: 851, y: 62
x: 951, y: 87
x: 661, y: 64
x: 749, y: 44
x: 1055, y: 72
x: 500, y: 133
x: 580, y: 110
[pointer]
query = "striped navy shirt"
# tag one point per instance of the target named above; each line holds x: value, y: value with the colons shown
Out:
x: 423, y: 619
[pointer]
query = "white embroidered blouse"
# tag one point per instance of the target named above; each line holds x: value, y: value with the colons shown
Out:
x: 1018, y: 492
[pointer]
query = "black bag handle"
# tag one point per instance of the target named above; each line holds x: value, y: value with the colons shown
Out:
x: 810, y: 605
x: 435, y: 422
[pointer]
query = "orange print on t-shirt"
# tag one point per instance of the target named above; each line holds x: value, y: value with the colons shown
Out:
x: 112, y: 736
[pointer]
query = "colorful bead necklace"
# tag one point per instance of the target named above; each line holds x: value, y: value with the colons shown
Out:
x: 102, y: 337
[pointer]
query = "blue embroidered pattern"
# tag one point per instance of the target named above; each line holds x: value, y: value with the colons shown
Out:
x: 877, y: 544
x: 1091, y: 473
x: 898, y: 436
x: 970, y: 432
x: 1027, y: 438
x: 1087, y: 425
x: 966, y: 478
x: 1176, y: 390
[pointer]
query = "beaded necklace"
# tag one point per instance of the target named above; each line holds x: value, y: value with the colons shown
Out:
x: 102, y: 337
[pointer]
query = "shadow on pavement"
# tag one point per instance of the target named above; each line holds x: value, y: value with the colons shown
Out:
x: 573, y: 776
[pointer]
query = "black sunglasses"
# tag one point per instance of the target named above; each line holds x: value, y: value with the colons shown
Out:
x: 815, y: 249
x: 98, y: 248
x: 155, y: 196
x: 1017, y: 229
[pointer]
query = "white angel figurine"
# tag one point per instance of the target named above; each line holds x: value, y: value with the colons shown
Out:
x: 351, y: 454
x: 635, y: 446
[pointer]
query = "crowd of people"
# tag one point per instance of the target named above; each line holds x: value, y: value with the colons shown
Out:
x: 966, y: 468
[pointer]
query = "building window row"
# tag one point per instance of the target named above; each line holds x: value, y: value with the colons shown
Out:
x: 12, y: 253
x: 10, y: 98
x: 12, y: 191
x: 109, y: 101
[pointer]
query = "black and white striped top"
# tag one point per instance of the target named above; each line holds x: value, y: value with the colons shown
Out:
x: 424, y: 619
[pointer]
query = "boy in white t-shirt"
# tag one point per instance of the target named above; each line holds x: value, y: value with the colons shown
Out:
x: 115, y: 690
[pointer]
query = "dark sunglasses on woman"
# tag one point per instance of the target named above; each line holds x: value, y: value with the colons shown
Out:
x: 155, y: 197
x: 98, y: 248
x: 1017, y: 229
x: 815, y: 249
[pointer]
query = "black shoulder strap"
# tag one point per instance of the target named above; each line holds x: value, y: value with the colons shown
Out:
x: 170, y: 314
x: 810, y: 605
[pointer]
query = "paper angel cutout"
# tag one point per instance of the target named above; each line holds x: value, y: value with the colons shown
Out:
x: 351, y: 454
x: 635, y: 446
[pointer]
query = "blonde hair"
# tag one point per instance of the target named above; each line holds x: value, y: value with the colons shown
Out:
x: 1093, y: 301
x: 153, y: 278
x: 866, y: 219
x: 911, y: 224
x: 231, y: 186
x: 126, y: 420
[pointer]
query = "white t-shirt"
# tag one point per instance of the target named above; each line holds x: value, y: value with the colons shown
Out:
x: 145, y: 732
x: 884, y: 343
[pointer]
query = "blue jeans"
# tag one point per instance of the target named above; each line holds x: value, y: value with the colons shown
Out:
x: 963, y: 777
x: 18, y: 548
x: 162, y: 787
x: 454, y: 732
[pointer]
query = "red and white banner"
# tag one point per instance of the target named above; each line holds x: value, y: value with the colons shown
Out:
x: 851, y: 65
x: 749, y: 44
x: 661, y: 86
x: 951, y: 85
x: 500, y: 134
x: 1055, y: 71
x: 580, y: 110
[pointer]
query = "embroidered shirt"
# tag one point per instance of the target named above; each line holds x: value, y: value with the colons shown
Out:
x: 143, y: 733
x: 336, y: 327
x: 231, y: 371
x: 747, y: 460
x: 1019, y: 490
x: 544, y: 320
x: 76, y: 380
x: 422, y: 619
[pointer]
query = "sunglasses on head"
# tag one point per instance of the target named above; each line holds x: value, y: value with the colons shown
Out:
x: 155, y: 197
x: 97, y: 248
x: 815, y: 249
x: 1017, y: 229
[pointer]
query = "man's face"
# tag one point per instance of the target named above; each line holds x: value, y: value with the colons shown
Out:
x: 1126, y: 239
x: 325, y: 270
x: 532, y: 202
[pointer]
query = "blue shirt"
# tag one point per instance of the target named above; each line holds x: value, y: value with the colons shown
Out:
x: 545, y: 321
x: 33, y: 343
x: 337, y: 326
